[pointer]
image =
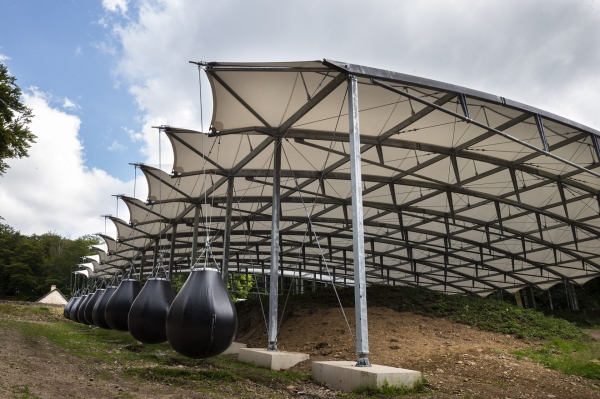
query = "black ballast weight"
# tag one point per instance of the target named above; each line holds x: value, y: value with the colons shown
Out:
x: 73, y: 310
x: 81, y: 308
x: 67, y: 309
x: 89, y: 308
x: 117, y: 308
x: 100, y: 307
x: 148, y: 313
x: 202, y: 321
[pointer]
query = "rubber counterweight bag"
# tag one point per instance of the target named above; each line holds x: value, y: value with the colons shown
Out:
x: 73, y: 310
x: 67, y: 309
x: 148, y: 313
x: 119, y: 304
x: 202, y: 321
x: 81, y: 309
x: 89, y: 308
x: 76, y: 308
x: 100, y: 307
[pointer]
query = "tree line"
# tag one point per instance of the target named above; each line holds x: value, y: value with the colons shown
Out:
x: 29, y: 265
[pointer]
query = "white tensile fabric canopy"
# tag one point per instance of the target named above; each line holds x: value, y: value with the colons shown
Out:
x: 463, y: 191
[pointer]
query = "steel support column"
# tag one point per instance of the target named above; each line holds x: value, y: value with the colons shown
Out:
x: 568, y: 295
x: 360, y: 280
x: 573, y: 296
x: 172, y: 252
x: 227, y: 231
x: 274, y: 273
x: 195, y: 237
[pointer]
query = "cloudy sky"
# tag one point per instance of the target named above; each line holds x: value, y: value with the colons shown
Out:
x: 98, y: 74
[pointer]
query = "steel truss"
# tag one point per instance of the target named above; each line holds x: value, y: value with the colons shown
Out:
x: 514, y: 204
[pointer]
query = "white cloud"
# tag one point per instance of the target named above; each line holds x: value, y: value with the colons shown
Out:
x: 133, y: 135
x: 78, y: 50
x: 104, y: 48
x: 115, y: 5
x: 539, y: 53
x: 52, y: 189
x: 69, y: 105
x: 4, y: 58
x: 116, y: 146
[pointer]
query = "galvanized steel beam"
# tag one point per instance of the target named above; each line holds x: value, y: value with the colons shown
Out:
x: 360, y: 282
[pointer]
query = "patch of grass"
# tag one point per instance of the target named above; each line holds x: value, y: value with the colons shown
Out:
x: 220, y: 369
x: 41, y: 312
x: 587, y: 318
x: 78, y: 340
x: 484, y: 313
x: 387, y: 391
x: 152, y: 362
x: 23, y: 392
x: 179, y: 376
x: 580, y: 358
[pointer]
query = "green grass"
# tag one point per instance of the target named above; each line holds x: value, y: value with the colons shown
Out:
x: 41, y: 312
x: 580, y: 358
x: 23, y: 392
x: 157, y: 363
x: 77, y: 339
x: 588, y: 318
x: 421, y: 387
x: 218, y: 370
x: 484, y: 313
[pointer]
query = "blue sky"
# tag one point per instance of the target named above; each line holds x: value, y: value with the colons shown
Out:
x: 100, y: 73
x: 64, y: 49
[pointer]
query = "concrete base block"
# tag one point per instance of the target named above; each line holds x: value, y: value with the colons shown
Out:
x: 271, y: 360
x: 234, y: 348
x: 346, y: 376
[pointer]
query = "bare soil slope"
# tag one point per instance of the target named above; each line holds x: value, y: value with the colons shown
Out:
x: 457, y: 360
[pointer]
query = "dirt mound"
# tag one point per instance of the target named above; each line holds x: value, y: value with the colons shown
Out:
x: 456, y: 359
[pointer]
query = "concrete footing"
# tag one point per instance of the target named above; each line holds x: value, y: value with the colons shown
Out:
x: 234, y: 348
x: 272, y: 360
x: 346, y: 376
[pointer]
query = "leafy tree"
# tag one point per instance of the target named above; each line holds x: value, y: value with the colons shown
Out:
x: 29, y: 265
x: 178, y: 281
x: 241, y: 285
x: 15, y: 136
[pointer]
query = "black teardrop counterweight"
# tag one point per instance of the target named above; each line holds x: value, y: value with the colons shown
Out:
x: 100, y: 307
x: 89, y: 308
x: 119, y: 304
x: 67, y: 309
x: 202, y: 321
x: 148, y: 314
x: 73, y: 310
x: 81, y: 308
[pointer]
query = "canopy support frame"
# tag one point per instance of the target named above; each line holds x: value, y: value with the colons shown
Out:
x: 275, y: 243
x: 360, y: 279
